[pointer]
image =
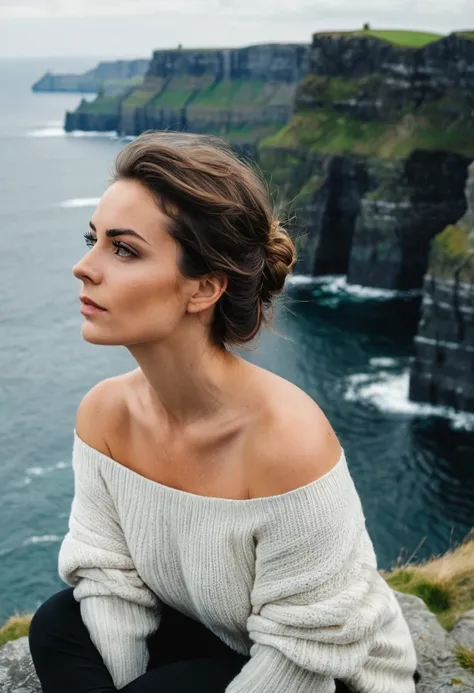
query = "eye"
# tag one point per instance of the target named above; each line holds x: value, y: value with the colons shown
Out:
x: 91, y: 241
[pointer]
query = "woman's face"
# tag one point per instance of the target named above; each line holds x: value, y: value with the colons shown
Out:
x: 136, y: 280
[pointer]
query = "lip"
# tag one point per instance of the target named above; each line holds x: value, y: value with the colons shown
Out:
x: 87, y: 309
x: 88, y: 301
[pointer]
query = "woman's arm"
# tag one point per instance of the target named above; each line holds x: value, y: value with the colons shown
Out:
x: 320, y: 609
x: 118, y: 609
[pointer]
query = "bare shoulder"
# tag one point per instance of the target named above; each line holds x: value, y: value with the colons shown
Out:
x: 296, y: 442
x: 101, y: 409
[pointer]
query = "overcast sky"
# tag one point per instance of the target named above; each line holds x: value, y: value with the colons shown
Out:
x: 133, y: 28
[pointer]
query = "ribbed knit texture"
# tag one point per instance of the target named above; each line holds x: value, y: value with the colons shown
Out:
x: 290, y: 579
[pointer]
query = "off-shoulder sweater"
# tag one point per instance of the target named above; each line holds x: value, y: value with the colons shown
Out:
x: 290, y: 580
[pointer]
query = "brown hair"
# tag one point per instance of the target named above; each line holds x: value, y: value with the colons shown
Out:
x: 221, y: 216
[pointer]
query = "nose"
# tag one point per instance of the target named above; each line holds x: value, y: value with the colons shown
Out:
x: 85, y: 269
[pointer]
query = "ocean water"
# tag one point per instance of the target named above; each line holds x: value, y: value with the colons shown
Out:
x: 349, y: 348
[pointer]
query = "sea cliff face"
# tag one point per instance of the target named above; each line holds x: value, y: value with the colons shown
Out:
x: 242, y: 94
x: 442, y: 371
x: 111, y: 76
x: 377, y: 152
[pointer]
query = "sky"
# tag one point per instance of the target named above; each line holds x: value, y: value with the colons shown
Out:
x: 133, y: 28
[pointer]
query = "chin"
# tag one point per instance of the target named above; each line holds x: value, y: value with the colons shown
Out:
x: 95, y: 335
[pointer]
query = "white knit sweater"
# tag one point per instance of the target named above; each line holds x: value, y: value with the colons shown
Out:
x: 290, y: 579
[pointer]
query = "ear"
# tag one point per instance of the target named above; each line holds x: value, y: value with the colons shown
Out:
x: 209, y: 290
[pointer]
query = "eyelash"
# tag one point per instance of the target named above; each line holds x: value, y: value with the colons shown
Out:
x: 90, y: 240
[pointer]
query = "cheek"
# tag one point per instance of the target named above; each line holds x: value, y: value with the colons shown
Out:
x: 150, y: 294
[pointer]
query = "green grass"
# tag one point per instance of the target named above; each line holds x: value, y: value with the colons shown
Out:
x: 102, y: 105
x: 138, y: 98
x: 16, y: 627
x: 412, y: 39
x: 180, y: 90
x: 465, y: 658
x: 450, y: 250
x: 115, y: 82
x: 467, y: 34
x: 325, y: 131
x: 235, y: 93
x: 399, y: 37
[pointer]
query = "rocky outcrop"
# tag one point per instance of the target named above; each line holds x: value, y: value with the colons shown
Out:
x: 377, y: 80
x: 384, y: 135
x: 111, y: 76
x: 411, y: 200
x: 242, y: 94
x: 442, y: 369
x: 435, y: 648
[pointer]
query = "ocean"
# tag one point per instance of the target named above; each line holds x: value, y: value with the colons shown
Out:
x: 347, y: 347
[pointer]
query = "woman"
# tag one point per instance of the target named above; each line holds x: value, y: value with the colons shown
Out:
x: 216, y: 540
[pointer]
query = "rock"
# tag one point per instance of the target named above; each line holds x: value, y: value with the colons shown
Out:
x: 17, y: 673
x: 444, y: 358
x: 463, y: 631
x: 434, y: 646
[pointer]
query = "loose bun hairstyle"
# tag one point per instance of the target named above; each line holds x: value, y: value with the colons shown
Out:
x: 220, y: 214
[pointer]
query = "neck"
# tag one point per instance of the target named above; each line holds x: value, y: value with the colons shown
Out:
x: 190, y: 382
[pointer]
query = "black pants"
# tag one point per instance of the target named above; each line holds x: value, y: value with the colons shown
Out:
x: 185, y: 657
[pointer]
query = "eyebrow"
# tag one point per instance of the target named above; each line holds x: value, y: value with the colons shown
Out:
x: 112, y: 233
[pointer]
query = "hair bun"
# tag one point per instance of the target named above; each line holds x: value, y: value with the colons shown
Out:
x: 280, y: 257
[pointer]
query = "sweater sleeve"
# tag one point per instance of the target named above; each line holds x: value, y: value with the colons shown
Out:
x: 320, y: 609
x: 118, y: 609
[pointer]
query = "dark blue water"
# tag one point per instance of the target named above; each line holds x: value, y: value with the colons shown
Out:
x: 413, y: 467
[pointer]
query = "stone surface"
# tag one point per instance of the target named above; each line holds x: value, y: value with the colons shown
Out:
x: 463, y: 631
x: 386, y: 78
x: 17, y: 673
x: 437, y: 665
x: 441, y: 371
x: 435, y: 649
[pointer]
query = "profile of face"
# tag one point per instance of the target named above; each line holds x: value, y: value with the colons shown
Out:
x: 136, y: 278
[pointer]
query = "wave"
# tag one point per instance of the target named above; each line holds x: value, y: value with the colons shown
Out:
x: 338, y: 284
x: 33, y: 472
x: 47, y: 132
x: 43, y: 539
x: 79, y: 202
x: 388, y: 392
x: 55, y: 129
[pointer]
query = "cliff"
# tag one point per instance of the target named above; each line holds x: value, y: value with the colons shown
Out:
x: 242, y: 94
x: 367, y: 138
x: 375, y: 155
x: 110, y: 76
x: 443, y: 367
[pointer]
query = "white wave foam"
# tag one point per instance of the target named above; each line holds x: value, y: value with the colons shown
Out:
x: 111, y: 134
x: 79, y: 202
x: 389, y: 392
x: 302, y: 279
x: 297, y: 279
x: 47, y: 132
x: 43, y: 539
x: 338, y: 284
x: 56, y: 129
x: 40, y: 471
x: 382, y: 362
x: 32, y: 472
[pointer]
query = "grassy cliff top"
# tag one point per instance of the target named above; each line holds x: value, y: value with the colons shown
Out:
x: 413, y: 39
x: 399, y: 37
